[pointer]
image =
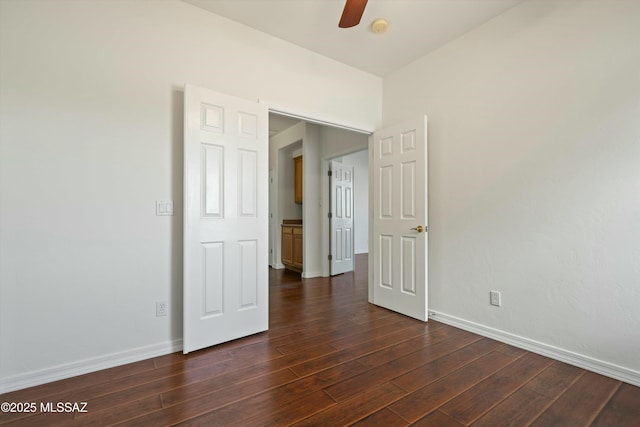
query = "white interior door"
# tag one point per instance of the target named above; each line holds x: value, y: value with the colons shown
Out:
x: 225, y: 218
x: 341, y: 220
x: 399, y: 226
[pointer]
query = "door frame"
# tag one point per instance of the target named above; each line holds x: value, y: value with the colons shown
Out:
x: 278, y: 215
x: 272, y: 231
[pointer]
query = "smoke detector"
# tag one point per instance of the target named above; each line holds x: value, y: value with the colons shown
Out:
x: 379, y: 26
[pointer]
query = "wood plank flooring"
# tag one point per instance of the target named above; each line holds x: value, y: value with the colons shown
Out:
x: 332, y: 359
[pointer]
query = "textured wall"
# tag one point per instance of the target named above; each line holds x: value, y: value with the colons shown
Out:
x: 534, y: 183
x: 91, y: 136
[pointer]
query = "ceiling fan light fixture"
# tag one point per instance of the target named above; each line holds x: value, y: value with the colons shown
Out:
x: 380, y: 26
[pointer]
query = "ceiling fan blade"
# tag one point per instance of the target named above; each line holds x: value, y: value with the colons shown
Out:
x: 352, y: 13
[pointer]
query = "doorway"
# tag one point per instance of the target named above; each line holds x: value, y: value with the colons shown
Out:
x: 319, y: 142
x: 228, y: 158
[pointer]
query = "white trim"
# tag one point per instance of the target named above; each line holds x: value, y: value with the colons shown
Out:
x: 370, y: 259
x: 311, y: 274
x: 324, y: 218
x: 585, y: 362
x: 316, y: 121
x: 68, y: 370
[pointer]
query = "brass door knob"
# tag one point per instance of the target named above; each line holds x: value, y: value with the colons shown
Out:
x: 419, y: 229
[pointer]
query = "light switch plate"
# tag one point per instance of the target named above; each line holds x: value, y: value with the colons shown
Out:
x: 164, y: 207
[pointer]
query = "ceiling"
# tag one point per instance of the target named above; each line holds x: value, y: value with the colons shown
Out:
x: 416, y: 27
x: 278, y: 123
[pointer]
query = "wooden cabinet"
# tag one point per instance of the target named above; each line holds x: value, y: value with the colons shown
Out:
x: 297, y: 247
x: 298, y: 179
x: 292, y: 245
x: 287, y: 245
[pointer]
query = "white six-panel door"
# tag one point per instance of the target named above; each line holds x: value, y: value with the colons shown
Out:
x: 341, y: 221
x: 399, y: 226
x: 225, y: 218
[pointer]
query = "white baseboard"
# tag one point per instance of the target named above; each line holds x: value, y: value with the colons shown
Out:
x: 311, y: 274
x: 585, y: 362
x: 68, y: 370
x: 81, y: 367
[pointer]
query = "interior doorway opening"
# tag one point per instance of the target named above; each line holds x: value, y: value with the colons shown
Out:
x: 316, y: 143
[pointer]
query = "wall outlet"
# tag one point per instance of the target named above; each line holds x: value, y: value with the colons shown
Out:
x: 494, y: 298
x: 161, y: 308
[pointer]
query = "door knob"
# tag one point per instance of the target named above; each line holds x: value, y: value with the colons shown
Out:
x: 419, y: 229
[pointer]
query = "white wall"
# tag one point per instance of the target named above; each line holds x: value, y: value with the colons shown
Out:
x: 534, y: 177
x: 360, y: 163
x: 312, y: 201
x: 91, y: 136
x: 339, y: 142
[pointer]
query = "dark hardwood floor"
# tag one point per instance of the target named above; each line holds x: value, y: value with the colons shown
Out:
x: 332, y: 359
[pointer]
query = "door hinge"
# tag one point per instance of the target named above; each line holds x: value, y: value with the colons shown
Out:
x: 330, y: 173
x: 330, y: 257
x: 330, y: 215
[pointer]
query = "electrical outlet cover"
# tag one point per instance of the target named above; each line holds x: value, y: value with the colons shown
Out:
x: 161, y: 308
x: 494, y: 298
